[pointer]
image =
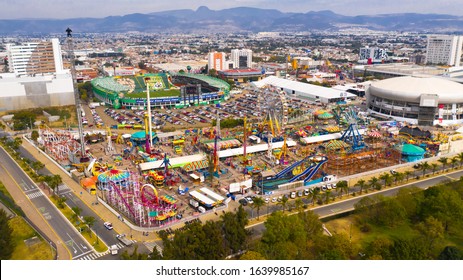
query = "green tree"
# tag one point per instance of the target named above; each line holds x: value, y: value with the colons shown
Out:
x: 234, y: 230
x: 409, y: 249
x: 34, y: 135
x: 450, y: 253
x: 387, y: 179
x: 315, y: 195
x: 453, y: 162
x: 252, y: 255
x: 460, y: 158
x: 424, y: 167
x: 134, y: 255
x: 76, y: 214
x: 6, y: 240
x: 361, y: 184
x: 258, y: 203
x: 37, y: 165
x: 434, y: 167
x: 443, y: 161
x: 336, y: 247
x: 373, y: 183
x: 61, y: 202
x: 380, y: 249
x: 432, y: 230
x: 407, y: 174
x: 327, y: 196
x: 89, y: 221
x: 155, y: 254
x: 342, y: 187
x: 299, y: 204
x: 283, y: 202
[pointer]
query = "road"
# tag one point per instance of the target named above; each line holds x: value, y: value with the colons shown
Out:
x: 72, y: 200
x: 348, y: 205
x: 67, y: 234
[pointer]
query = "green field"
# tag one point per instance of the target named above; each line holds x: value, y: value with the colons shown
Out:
x: 159, y: 93
x: 37, y: 251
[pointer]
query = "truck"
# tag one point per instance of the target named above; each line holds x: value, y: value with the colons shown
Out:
x: 122, y: 238
x: 113, y: 250
x: 194, y: 203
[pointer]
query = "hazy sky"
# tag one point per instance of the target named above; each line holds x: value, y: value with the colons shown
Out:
x: 10, y: 9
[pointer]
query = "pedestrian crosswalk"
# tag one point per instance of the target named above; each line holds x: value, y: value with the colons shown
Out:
x: 151, y: 245
x: 34, y: 194
x: 94, y: 255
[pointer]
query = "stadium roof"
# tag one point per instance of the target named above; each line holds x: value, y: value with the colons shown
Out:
x: 411, y: 88
x: 304, y: 88
x: 210, y: 80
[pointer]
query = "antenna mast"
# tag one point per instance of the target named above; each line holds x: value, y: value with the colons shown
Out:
x: 72, y: 58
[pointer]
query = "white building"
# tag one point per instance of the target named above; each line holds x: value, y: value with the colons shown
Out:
x: 217, y: 61
x: 18, y: 93
x: 375, y: 55
x: 35, y: 58
x: 444, y: 49
x: 242, y: 58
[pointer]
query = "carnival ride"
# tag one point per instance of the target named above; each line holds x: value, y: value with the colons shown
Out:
x: 295, y: 172
x: 273, y: 108
x: 60, y: 145
x: 138, y: 202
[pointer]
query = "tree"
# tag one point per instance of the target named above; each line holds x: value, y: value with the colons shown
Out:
x: 134, y: 255
x: 298, y: 203
x: 6, y: 240
x: 361, y: 184
x: 155, y: 254
x: 453, y: 162
x: 460, y: 158
x: 37, y: 165
x: 341, y: 187
x: 407, y: 174
x: 76, y: 214
x: 315, y: 195
x: 434, y: 167
x: 450, y: 253
x: 61, y: 202
x: 424, y: 167
x: 374, y: 183
x: 336, y: 247
x: 432, y: 230
x: 212, y: 72
x: 89, y: 221
x: 386, y: 177
x: 252, y: 255
x: 380, y: 249
x: 234, y: 231
x: 409, y: 249
x: 34, y: 135
x: 283, y: 202
x: 327, y: 196
x: 258, y: 203
x: 443, y: 161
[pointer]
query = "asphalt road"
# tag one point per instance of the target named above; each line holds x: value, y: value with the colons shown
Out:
x: 75, y: 243
x: 348, y: 205
x: 72, y: 200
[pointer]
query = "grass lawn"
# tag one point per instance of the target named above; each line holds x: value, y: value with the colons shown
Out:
x: 5, y: 191
x: 159, y: 93
x: 22, y: 231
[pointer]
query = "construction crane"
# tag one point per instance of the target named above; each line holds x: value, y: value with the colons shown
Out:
x: 83, y: 155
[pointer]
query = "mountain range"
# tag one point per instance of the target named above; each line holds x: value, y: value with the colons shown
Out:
x: 204, y: 20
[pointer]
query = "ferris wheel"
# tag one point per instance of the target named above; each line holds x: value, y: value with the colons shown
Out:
x: 273, y: 109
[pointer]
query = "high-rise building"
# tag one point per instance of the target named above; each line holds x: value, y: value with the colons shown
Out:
x: 216, y: 60
x: 373, y: 55
x: 241, y: 58
x: 444, y: 49
x: 35, y: 58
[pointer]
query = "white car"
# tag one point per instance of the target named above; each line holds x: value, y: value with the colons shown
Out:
x: 267, y: 200
x: 249, y: 199
x: 108, y: 225
x: 274, y: 199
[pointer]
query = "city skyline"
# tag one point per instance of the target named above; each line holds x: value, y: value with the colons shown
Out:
x: 62, y: 9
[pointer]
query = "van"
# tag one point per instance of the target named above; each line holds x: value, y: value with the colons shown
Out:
x: 201, y: 209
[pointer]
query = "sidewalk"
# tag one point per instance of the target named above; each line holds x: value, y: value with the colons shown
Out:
x: 100, y: 210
